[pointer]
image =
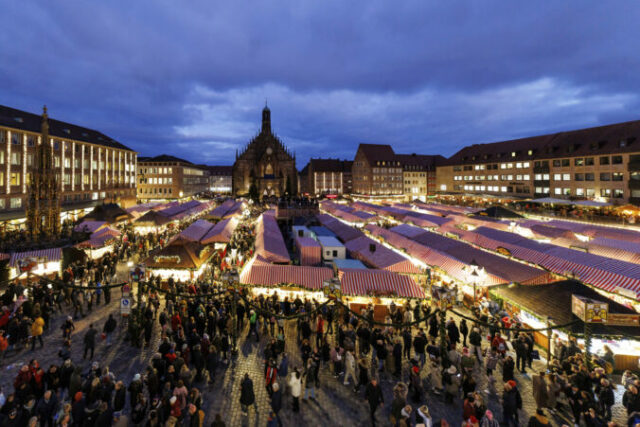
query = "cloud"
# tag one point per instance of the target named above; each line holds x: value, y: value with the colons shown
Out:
x: 190, y: 79
x: 429, y: 121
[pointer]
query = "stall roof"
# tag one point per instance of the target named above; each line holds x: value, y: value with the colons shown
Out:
x: 311, y: 278
x: 366, y: 282
x: 330, y: 241
x: 321, y: 231
x: 180, y: 255
x: 554, y: 300
x: 353, y: 264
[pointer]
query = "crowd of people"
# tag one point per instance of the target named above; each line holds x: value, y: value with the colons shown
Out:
x: 462, y: 363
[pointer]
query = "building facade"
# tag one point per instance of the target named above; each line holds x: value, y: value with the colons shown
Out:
x: 376, y: 171
x: 220, y: 179
x: 90, y: 167
x: 600, y: 163
x: 418, y: 175
x: 266, y: 163
x: 327, y: 176
x: 167, y: 177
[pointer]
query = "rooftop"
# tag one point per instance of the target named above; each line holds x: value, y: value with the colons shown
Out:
x: 29, y: 122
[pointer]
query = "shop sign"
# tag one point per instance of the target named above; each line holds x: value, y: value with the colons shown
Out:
x: 618, y: 319
x: 332, y: 288
x: 589, y: 310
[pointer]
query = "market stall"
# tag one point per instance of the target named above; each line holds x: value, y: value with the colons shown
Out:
x: 40, y: 262
x: 535, y: 305
x: 181, y: 260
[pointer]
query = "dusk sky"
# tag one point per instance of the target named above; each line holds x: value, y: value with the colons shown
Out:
x: 425, y: 77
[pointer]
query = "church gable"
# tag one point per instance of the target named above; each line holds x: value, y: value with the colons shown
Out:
x: 265, y: 162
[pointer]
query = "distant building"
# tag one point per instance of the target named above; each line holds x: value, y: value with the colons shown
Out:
x: 379, y: 172
x: 595, y: 163
x: 90, y: 167
x: 220, y: 179
x: 168, y: 177
x: 419, y: 175
x: 376, y: 171
x: 266, y: 163
x: 326, y: 176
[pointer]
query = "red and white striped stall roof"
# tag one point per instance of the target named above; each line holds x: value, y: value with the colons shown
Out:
x: 365, y: 282
x: 269, y: 242
x: 382, y: 257
x: 262, y: 274
x: 46, y: 255
x: 221, y: 232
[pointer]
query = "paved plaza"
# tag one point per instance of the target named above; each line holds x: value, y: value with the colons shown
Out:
x: 335, y: 403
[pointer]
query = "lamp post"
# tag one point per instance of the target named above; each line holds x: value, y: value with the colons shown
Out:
x: 476, y: 277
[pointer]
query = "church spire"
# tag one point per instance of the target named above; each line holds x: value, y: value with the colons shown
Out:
x: 266, y: 119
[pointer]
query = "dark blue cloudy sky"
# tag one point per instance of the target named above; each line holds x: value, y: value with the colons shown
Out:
x: 189, y: 78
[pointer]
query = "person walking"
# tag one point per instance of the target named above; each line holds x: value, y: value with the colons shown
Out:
x: 373, y: 394
x: 539, y: 389
x: 349, y: 368
x: 276, y: 401
x: 109, y: 327
x: 89, y: 341
x: 247, y: 397
x: 511, y: 403
x: 36, y: 332
x: 295, y: 384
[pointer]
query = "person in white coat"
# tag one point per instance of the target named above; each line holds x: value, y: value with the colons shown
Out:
x: 295, y: 384
x: 349, y: 368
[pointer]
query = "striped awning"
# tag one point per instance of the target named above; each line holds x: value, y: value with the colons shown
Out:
x: 378, y: 282
x: 269, y: 242
x: 43, y: 255
x: 262, y: 274
x: 221, y: 232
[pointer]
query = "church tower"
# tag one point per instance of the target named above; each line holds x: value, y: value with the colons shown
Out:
x: 43, y: 207
x: 266, y: 120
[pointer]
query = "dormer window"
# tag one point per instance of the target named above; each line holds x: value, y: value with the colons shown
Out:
x: 18, y: 119
x: 513, y: 154
x: 530, y: 152
x: 622, y: 143
x: 67, y: 131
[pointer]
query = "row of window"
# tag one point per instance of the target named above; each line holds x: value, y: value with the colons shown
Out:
x: 156, y: 180
x: 494, y: 188
x: 155, y: 190
x: 161, y: 171
x: 525, y: 177
x: 387, y: 170
x: 578, y: 161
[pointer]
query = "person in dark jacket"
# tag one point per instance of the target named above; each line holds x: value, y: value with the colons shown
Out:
x: 373, y: 394
x: 89, y: 341
x: 511, y: 403
x: 507, y: 369
x: 247, y: 397
x: 119, y: 397
x: 521, y: 347
x: 464, y: 331
x: 109, y: 327
x: 453, y: 332
x: 46, y: 408
x: 276, y: 401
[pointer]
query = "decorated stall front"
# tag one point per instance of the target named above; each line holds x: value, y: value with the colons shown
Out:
x: 41, y: 262
x: 181, y: 260
x: 619, y: 328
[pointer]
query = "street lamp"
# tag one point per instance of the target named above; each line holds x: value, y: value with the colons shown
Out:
x: 476, y: 276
